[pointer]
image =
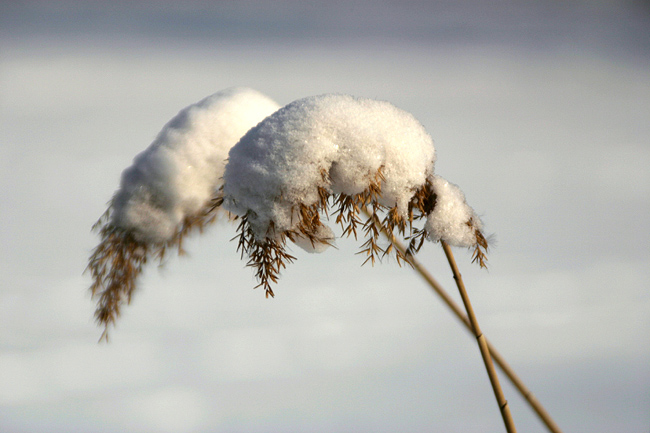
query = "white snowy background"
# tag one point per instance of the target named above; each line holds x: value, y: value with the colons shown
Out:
x: 540, y: 112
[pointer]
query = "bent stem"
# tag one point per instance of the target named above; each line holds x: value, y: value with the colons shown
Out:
x: 541, y: 412
x: 526, y: 393
x: 482, y: 343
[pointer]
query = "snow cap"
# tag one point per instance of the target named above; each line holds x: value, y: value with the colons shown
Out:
x: 177, y: 175
x: 337, y: 142
x: 452, y: 219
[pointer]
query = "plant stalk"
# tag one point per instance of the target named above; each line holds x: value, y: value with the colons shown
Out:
x: 496, y: 356
x: 482, y: 343
x: 541, y: 412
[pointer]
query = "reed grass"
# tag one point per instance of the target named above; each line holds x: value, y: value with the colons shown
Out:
x: 505, y: 367
x: 482, y: 343
x: 118, y: 260
x: 358, y: 215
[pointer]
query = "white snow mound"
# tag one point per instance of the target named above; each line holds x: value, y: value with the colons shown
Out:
x: 279, y: 163
x: 178, y: 173
x: 448, y: 221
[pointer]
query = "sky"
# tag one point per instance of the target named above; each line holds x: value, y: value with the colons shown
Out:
x: 539, y: 111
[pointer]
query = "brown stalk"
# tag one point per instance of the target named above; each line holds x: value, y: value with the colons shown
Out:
x: 482, y: 343
x: 534, y: 403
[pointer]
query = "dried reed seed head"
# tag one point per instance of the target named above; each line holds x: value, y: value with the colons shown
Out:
x: 268, y: 257
x: 480, y: 250
x: 114, y: 265
x: 118, y: 260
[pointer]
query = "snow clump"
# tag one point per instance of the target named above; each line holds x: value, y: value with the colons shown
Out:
x: 366, y: 163
x: 176, y: 176
x: 452, y: 219
x: 282, y: 161
x: 171, y: 188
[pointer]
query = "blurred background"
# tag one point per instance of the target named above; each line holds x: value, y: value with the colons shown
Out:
x: 540, y: 111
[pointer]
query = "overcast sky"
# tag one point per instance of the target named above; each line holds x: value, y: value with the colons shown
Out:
x: 539, y: 111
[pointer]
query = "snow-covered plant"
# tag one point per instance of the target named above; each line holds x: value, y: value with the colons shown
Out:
x: 363, y: 164
x: 168, y: 192
x: 366, y: 163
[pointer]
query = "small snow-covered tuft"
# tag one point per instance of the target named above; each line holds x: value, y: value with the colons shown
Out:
x: 452, y: 219
x: 336, y: 142
x: 176, y: 176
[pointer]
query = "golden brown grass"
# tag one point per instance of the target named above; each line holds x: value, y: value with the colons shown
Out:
x: 518, y: 383
x: 504, y: 408
x: 358, y: 215
x: 116, y: 263
x: 120, y: 256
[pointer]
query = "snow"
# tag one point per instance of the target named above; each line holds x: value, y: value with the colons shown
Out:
x: 280, y: 162
x: 449, y: 217
x: 324, y: 154
x: 176, y: 176
x: 168, y: 191
x: 279, y: 165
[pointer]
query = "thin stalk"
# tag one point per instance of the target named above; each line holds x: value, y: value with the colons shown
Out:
x: 534, y: 403
x: 482, y: 343
x: 496, y: 356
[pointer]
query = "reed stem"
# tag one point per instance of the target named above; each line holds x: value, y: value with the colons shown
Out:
x: 534, y: 403
x: 482, y: 343
x: 537, y: 407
